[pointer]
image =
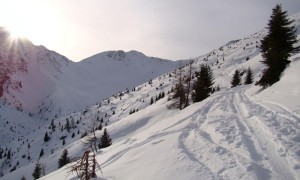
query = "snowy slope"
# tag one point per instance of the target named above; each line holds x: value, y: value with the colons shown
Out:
x: 236, y: 133
x: 228, y: 136
x: 107, y: 73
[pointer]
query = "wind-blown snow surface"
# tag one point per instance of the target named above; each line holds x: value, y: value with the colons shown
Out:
x: 236, y: 133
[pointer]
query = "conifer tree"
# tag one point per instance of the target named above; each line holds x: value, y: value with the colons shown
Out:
x: 100, y: 127
x: 42, y: 152
x: 163, y: 94
x: 249, y: 76
x: 202, y: 88
x: 8, y: 154
x: 68, y: 125
x: 46, y: 137
x: 236, y: 79
x: 64, y: 159
x: 179, y: 91
x: 105, y: 140
x: 37, y: 171
x: 277, y: 46
x: 151, y: 101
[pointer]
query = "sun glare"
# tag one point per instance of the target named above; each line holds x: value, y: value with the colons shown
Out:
x: 16, y: 32
x: 31, y: 19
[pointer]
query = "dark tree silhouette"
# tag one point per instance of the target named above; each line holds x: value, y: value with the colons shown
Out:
x: 277, y: 46
x: 64, y: 159
x: 179, y: 91
x: 42, y: 152
x: 68, y: 125
x: 37, y: 173
x: 105, y: 140
x: 46, y: 137
x: 249, y: 76
x: 8, y: 154
x: 202, y: 88
x: 236, y: 79
x: 100, y: 127
x: 151, y: 101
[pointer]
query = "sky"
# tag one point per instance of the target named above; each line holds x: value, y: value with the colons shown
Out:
x: 170, y: 29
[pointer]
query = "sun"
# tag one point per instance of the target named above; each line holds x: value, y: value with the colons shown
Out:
x: 13, y: 18
x: 16, y: 32
x: 31, y: 19
x: 19, y: 18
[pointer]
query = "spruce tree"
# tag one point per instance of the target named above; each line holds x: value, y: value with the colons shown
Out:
x: 100, y: 127
x: 202, y: 88
x: 42, y: 152
x: 37, y: 171
x: 163, y: 94
x: 249, y: 76
x: 9, y: 154
x: 236, y: 79
x: 68, y: 125
x: 46, y: 137
x: 277, y: 46
x: 151, y: 101
x: 64, y: 159
x: 105, y: 140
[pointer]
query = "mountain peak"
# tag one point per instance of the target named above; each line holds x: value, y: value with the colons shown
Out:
x: 117, y: 55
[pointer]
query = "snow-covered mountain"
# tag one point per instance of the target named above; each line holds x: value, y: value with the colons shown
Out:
x: 36, y: 79
x: 236, y: 133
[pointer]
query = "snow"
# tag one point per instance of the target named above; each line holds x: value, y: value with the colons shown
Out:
x: 227, y: 136
x: 286, y: 91
x: 237, y: 133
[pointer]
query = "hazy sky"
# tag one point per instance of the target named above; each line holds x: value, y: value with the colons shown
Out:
x: 171, y: 29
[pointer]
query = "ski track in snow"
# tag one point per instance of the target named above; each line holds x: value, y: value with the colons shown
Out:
x: 241, y: 139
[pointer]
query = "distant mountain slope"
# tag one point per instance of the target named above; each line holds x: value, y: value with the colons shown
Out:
x: 108, y: 73
x: 28, y: 72
x: 36, y: 79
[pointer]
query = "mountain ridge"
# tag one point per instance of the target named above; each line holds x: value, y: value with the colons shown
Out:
x: 43, y: 77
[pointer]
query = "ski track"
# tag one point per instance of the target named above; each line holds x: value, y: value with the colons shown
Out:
x: 246, y: 138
